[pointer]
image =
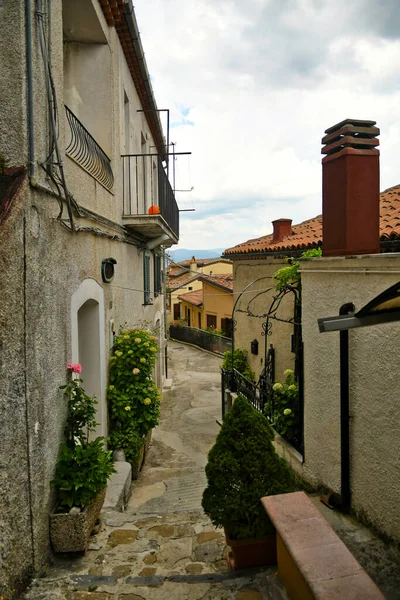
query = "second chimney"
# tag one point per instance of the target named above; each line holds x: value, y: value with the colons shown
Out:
x: 193, y: 265
x: 282, y: 228
x: 350, y: 196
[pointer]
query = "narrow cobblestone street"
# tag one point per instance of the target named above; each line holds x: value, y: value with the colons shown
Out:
x: 163, y: 546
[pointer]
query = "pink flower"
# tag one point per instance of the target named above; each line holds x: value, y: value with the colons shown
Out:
x: 75, y: 368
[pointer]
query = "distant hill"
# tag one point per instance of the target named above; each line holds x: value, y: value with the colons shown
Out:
x: 183, y: 254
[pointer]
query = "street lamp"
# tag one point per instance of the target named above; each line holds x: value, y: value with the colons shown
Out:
x: 384, y: 308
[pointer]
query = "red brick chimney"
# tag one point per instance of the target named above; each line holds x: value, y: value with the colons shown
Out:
x: 350, y: 182
x: 282, y: 228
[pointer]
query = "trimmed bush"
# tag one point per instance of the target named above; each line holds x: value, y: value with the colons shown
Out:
x: 133, y: 398
x: 242, y: 468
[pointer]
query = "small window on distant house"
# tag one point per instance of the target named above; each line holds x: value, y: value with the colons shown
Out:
x: 212, y: 321
x: 177, y: 311
x: 190, y: 289
x: 146, y: 277
x: 157, y: 274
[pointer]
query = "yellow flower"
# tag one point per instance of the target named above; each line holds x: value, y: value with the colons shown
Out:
x: 127, y: 408
x: 138, y: 340
x: 110, y: 387
x: 153, y: 349
x: 288, y: 372
x: 143, y: 360
x: 136, y: 371
x: 118, y: 353
x: 277, y: 386
x: 130, y: 351
x: 292, y: 387
x: 126, y: 337
x: 287, y: 412
x: 147, y: 401
x: 146, y: 344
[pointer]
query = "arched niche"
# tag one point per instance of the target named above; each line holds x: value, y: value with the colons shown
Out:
x: 88, y: 344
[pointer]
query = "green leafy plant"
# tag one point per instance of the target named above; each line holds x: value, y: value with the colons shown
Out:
x: 240, y: 363
x: 214, y: 331
x: 82, y: 471
x: 285, y: 403
x: 242, y: 468
x: 290, y: 275
x: 133, y: 397
x: 83, y: 467
x: 129, y: 439
x: 181, y: 323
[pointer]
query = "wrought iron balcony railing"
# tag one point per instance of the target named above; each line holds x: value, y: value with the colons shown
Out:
x: 84, y: 150
x: 147, y: 190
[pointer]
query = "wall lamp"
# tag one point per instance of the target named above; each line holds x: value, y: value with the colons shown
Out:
x: 107, y: 269
x: 385, y: 308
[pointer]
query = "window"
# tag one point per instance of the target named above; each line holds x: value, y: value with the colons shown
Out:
x: 212, y: 321
x: 177, y: 312
x: 146, y: 277
x: 226, y: 327
x: 157, y: 274
x: 199, y: 318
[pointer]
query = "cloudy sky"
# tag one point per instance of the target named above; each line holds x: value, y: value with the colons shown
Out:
x: 252, y: 85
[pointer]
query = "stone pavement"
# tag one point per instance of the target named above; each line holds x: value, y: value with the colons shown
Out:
x: 163, y: 546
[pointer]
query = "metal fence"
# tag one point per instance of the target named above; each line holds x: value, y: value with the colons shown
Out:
x: 200, y: 338
x: 84, y: 150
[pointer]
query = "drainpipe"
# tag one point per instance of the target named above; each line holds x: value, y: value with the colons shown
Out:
x: 345, y: 309
x: 29, y: 79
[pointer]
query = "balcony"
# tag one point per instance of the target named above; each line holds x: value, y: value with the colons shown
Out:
x: 87, y: 153
x: 150, y: 207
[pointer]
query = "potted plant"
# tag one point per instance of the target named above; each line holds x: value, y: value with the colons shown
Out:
x: 133, y: 397
x: 242, y: 468
x: 82, y: 471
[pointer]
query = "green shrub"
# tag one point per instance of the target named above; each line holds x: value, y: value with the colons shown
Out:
x: 129, y: 439
x: 242, y: 468
x: 240, y: 363
x: 81, y: 472
x: 83, y: 468
x: 133, y: 397
x: 286, y: 406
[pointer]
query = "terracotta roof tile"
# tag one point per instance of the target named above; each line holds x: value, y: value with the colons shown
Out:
x: 201, y: 262
x: 182, y: 280
x: 222, y: 280
x: 309, y: 233
x: 195, y: 298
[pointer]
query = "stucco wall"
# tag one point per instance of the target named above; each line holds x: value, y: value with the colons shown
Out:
x: 216, y: 302
x: 257, y: 300
x: 374, y: 386
x: 42, y: 267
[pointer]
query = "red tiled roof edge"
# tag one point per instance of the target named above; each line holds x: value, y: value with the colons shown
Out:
x: 195, y: 298
x: 308, y: 234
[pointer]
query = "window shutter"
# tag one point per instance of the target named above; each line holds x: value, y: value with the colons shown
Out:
x: 146, y: 277
x: 157, y: 274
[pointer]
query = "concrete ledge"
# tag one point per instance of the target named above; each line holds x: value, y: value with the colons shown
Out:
x: 119, y: 487
x: 167, y: 384
x: 313, y: 563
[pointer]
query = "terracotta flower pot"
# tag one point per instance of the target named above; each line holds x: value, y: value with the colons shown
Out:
x: 250, y: 553
x: 71, y: 533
